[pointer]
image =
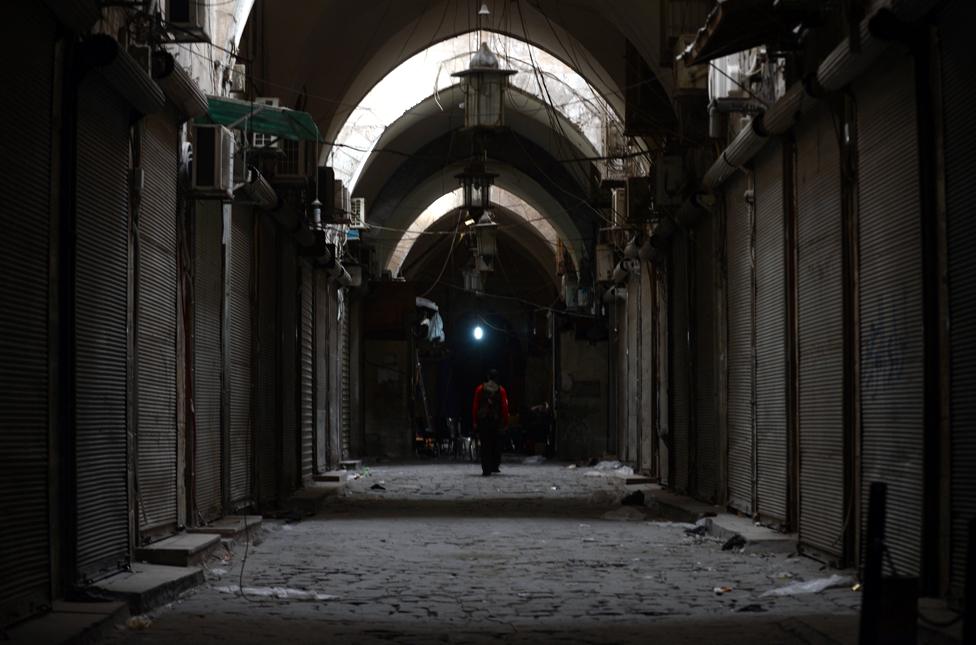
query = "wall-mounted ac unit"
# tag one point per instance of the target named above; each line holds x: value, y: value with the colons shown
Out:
x: 213, y: 161
x: 297, y: 163
x: 358, y: 211
x: 342, y: 204
x: 266, y: 141
x: 186, y: 20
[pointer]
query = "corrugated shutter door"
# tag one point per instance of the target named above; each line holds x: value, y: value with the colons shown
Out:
x: 648, y: 451
x: 707, y: 454
x: 290, y: 369
x: 741, y: 470
x: 101, y: 325
x: 662, y: 354
x: 959, y: 96
x: 680, y: 374
x: 890, y: 281
x: 306, y: 363
x: 241, y: 350
x: 772, y: 378
x: 821, y: 335
x: 208, y: 282
x: 265, y: 439
x: 155, y: 326
x: 633, y: 383
x: 623, y: 382
x: 24, y: 248
x: 345, y: 375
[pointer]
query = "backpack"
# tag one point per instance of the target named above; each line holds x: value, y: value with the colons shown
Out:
x: 489, y: 408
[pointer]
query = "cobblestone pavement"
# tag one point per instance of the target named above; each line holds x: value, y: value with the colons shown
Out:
x: 539, y: 553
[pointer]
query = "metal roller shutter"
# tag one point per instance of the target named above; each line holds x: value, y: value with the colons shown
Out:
x: 890, y: 281
x: 101, y: 328
x: 772, y: 377
x: 959, y: 95
x: 289, y: 366
x: 620, y: 373
x: 265, y: 430
x: 707, y: 452
x: 646, y: 363
x: 662, y: 359
x: 680, y: 358
x: 25, y: 172
x: 208, y: 287
x: 821, y: 335
x: 155, y: 326
x: 306, y: 365
x: 241, y: 352
x: 633, y: 388
x: 345, y: 376
x: 741, y: 335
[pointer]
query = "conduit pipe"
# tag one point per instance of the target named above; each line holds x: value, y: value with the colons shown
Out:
x: 835, y: 72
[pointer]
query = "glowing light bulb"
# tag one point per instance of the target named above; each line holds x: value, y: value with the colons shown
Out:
x: 478, y: 333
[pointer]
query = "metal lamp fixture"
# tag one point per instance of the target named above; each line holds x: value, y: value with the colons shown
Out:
x: 486, y: 240
x: 476, y: 187
x: 484, y: 85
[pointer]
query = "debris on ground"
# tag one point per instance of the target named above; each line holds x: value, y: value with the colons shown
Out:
x: 593, y: 462
x: 734, y: 542
x: 137, y: 623
x: 721, y: 590
x: 377, y: 487
x: 534, y: 459
x: 554, y: 488
x: 278, y: 593
x: 634, y: 499
x: 700, y: 528
x: 811, y: 586
x: 752, y: 607
x: 571, y: 466
x: 608, y: 465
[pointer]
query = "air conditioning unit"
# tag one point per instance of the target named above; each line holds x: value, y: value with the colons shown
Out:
x: 259, y: 139
x: 358, y: 212
x: 341, y: 203
x: 213, y: 161
x: 618, y: 205
x: 297, y: 163
x: 186, y: 20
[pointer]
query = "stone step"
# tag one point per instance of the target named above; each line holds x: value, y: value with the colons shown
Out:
x: 638, y: 480
x: 312, y: 498
x: 70, y: 622
x: 181, y: 550
x: 149, y: 586
x: 331, y: 476
x: 230, y: 526
x: 351, y: 464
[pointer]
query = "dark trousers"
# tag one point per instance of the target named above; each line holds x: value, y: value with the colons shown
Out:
x: 491, y: 447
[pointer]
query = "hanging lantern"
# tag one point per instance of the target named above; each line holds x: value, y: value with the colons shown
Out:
x: 486, y: 240
x: 476, y: 188
x: 484, y: 84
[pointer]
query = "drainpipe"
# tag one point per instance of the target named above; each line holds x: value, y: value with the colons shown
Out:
x: 836, y: 71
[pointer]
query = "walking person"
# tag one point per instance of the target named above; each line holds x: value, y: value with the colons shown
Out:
x: 490, y: 417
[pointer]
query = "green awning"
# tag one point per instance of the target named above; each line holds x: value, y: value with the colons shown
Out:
x: 258, y: 117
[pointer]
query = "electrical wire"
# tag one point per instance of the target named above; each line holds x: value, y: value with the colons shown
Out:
x: 447, y: 260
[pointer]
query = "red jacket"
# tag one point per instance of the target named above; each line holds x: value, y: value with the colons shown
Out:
x: 477, y: 404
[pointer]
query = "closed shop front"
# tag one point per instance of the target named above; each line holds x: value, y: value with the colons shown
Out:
x: 633, y: 384
x: 646, y: 365
x: 820, y: 335
x: 345, y: 377
x: 707, y: 454
x: 890, y: 282
x: 25, y: 172
x: 267, y: 422
x: 208, y: 302
x: 155, y: 328
x: 289, y: 376
x: 620, y: 374
x: 771, y: 360
x: 741, y: 334
x: 101, y: 290
x: 959, y: 95
x: 681, y: 373
x: 306, y: 363
x: 662, y: 362
x: 241, y: 353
